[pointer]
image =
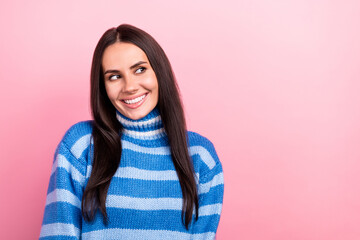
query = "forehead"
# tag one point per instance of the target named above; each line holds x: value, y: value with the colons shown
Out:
x: 122, y: 55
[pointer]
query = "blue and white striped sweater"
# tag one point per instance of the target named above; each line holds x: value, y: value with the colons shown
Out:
x: 144, y: 199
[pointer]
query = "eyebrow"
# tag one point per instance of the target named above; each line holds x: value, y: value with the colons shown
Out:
x: 132, y: 66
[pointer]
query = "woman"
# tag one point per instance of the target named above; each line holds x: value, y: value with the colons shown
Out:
x: 134, y: 172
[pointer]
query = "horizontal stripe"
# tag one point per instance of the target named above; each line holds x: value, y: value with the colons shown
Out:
x: 144, y: 203
x: 131, y: 234
x: 59, y: 229
x: 62, y: 179
x: 205, y: 224
x: 145, y: 188
x: 204, y: 155
x: 215, y: 195
x: 144, y: 174
x: 148, y: 135
x: 138, y: 219
x: 62, y: 212
x: 146, y: 123
x: 211, y: 209
x: 203, y: 236
x: 62, y: 162
x: 199, y: 150
x: 62, y: 195
x: 80, y: 145
x: 136, y: 173
x: 146, y: 150
x: 129, y: 158
x: 217, y: 180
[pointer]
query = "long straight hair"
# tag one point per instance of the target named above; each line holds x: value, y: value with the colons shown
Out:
x: 107, y: 129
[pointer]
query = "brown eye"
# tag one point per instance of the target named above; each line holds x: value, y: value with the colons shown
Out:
x: 114, y: 77
x: 140, y: 70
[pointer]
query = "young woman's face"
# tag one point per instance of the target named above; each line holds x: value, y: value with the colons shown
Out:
x: 130, y: 81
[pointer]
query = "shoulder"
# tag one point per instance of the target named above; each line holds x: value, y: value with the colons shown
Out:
x: 202, y: 147
x: 78, y: 137
x: 198, y: 139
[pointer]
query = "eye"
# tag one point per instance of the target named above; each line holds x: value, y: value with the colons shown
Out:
x: 140, y: 70
x: 114, y: 77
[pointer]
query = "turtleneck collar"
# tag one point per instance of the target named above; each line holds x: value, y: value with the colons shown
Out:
x: 147, y: 128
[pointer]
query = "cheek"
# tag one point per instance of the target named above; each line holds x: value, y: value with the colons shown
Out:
x: 156, y: 89
x: 110, y: 91
x: 152, y: 83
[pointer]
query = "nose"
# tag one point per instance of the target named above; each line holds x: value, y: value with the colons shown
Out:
x: 130, y: 85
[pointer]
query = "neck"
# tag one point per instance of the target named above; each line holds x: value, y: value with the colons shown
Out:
x: 147, y: 128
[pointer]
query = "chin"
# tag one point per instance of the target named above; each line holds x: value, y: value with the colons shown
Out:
x: 135, y: 116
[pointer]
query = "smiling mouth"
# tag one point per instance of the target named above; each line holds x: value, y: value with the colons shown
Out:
x: 135, y: 100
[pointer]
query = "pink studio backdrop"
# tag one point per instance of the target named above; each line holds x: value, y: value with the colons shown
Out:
x: 273, y: 84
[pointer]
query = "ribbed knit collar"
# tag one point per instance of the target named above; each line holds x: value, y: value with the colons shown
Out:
x: 147, y: 128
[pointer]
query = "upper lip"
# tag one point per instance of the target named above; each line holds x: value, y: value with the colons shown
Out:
x: 133, y: 97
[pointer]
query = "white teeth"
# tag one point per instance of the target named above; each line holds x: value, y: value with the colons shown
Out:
x: 135, y: 100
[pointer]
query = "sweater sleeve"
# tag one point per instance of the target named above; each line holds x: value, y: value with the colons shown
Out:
x: 62, y: 215
x: 211, y: 191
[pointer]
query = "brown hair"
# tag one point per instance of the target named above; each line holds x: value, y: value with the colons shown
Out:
x: 107, y: 129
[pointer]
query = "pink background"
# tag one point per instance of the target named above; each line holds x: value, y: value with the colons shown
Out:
x: 273, y: 84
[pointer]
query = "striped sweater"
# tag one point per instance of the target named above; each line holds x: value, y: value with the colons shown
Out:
x: 144, y: 199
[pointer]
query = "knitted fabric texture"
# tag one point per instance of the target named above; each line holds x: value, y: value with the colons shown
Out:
x: 144, y: 200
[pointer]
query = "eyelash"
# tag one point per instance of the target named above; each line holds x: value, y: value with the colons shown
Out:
x: 143, y: 69
x: 119, y: 76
